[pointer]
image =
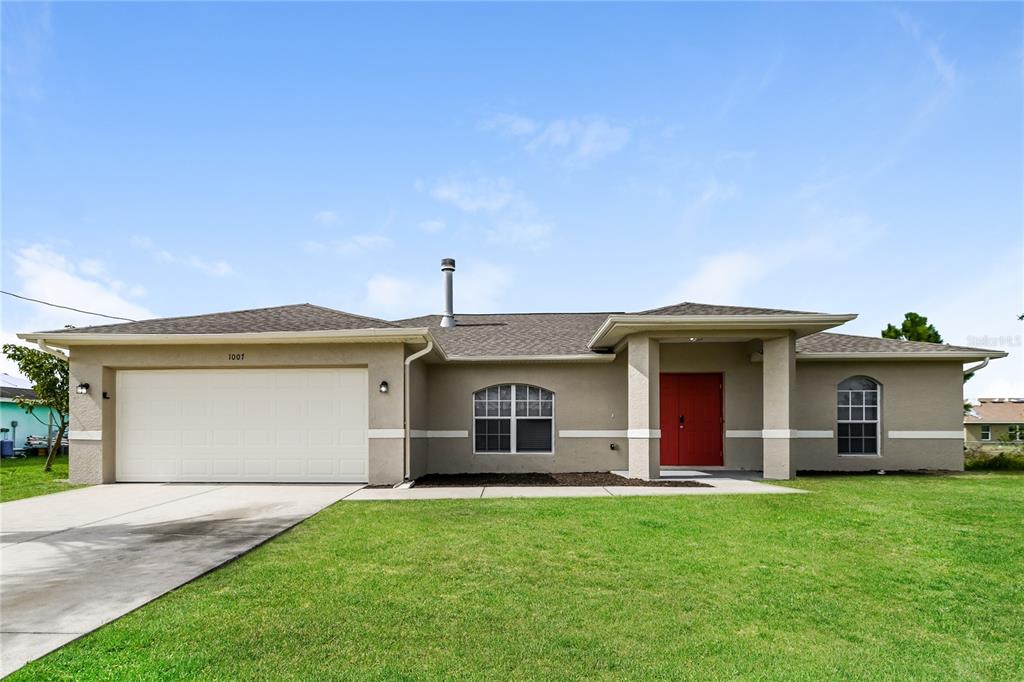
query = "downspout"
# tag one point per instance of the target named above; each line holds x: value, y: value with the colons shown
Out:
x: 407, y: 399
x: 972, y: 370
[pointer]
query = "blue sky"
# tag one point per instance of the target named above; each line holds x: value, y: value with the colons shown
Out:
x: 168, y: 159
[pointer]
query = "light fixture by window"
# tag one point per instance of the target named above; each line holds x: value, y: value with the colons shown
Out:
x: 82, y: 389
x: 383, y: 388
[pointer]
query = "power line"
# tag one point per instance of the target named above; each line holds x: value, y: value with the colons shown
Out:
x: 66, y: 307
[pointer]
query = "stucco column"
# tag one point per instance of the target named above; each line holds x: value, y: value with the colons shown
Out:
x: 91, y: 428
x: 779, y: 383
x: 644, y: 432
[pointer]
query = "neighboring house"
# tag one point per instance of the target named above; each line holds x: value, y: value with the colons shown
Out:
x: 35, y: 424
x: 994, y: 423
x: 305, y: 393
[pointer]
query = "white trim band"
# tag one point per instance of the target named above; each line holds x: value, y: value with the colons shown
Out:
x: 943, y: 435
x: 595, y: 433
x: 422, y: 433
x: 85, y: 435
x: 385, y: 433
x: 778, y: 433
x: 643, y: 433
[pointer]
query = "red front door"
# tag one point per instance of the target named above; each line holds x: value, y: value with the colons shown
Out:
x: 691, y: 419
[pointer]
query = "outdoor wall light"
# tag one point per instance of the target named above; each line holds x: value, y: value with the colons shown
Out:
x: 383, y: 388
x: 82, y: 389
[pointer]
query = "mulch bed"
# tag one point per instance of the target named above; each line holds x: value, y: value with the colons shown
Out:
x: 593, y: 478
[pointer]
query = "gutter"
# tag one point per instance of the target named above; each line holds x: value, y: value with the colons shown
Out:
x: 407, y: 464
x: 51, y: 350
x: 396, y: 334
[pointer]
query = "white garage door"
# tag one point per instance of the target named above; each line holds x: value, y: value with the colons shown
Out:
x: 286, y: 425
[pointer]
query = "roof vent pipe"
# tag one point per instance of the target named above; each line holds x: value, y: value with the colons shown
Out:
x: 448, y: 267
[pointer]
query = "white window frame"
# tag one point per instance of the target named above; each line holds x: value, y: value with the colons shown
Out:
x: 1017, y: 430
x: 986, y: 432
x: 512, y: 421
x: 877, y: 421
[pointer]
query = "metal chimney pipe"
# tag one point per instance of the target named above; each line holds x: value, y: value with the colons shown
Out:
x: 448, y: 267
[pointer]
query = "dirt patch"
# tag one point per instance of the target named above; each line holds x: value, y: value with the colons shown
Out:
x: 592, y: 478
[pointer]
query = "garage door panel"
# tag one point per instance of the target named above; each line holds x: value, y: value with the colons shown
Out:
x: 242, y: 425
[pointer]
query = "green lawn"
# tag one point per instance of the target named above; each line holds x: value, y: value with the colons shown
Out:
x: 24, y: 477
x: 869, y: 577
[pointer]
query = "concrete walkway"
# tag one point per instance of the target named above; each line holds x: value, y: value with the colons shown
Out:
x: 719, y: 485
x: 72, y: 561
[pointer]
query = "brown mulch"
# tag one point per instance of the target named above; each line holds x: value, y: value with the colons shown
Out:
x: 592, y: 478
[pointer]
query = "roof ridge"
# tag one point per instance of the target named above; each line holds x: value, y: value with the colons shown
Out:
x: 345, y: 312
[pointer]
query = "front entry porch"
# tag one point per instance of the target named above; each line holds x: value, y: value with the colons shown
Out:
x: 684, y: 395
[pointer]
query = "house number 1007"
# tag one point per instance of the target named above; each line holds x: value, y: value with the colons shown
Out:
x: 236, y: 356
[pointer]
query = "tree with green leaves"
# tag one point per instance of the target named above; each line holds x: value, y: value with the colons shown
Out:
x: 914, y: 328
x: 50, y: 381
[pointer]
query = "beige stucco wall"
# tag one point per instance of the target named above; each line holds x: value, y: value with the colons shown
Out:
x: 972, y: 437
x: 92, y: 461
x: 587, y: 397
x: 916, y: 396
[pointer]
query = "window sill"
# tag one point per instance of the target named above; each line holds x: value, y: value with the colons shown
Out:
x: 870, y: 456
x: 517, y: 454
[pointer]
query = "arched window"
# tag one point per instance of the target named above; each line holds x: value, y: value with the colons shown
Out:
x: 858, y: 406
x: 512, y: 418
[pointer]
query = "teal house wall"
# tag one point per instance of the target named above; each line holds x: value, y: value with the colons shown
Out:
x: 28, y: 425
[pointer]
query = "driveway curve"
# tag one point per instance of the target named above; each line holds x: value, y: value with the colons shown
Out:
x: 73, y: 561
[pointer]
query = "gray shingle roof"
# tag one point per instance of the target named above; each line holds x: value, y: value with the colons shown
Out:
x: 687, y: 308
x: 15, y: 392
x: 828, y: 342
x: 504, y: 335
x: 513, y: 335
x: 302, y: 317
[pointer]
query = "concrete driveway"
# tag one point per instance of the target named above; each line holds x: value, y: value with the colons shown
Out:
x: 72, y: 561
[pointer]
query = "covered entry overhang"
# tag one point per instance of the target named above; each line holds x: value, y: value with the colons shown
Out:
x: 642, y: 337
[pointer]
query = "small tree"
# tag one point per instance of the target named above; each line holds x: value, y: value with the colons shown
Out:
x: 50, y: 381
x: 914, y: 328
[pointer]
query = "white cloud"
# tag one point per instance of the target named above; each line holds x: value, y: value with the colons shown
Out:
x: 529, y: 233
x: 214, y: 268
x: 478, y: 288
x: 357, y: 243
x: 983, y: 316
x: 510, y: 125
x: 474, y: 195
x: 722, y: 278
x: 433, y: 226
x: 44, y: 274
x: 583, y: 139
x: 728, y: 277
x: 326, y: 217
x: 945, y: 69
x: 713, y: 193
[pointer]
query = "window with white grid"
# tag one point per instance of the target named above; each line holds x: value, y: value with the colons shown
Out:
x: 857, y: 415
x: 513, y: 418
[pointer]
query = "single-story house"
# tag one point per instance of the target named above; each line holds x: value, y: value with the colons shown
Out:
x: 994, y: 424
x: 305, y: 393
x: 22, y: 424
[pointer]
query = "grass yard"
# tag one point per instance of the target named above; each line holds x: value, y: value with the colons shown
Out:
x: 24, y: 477
x: 869, y: 577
